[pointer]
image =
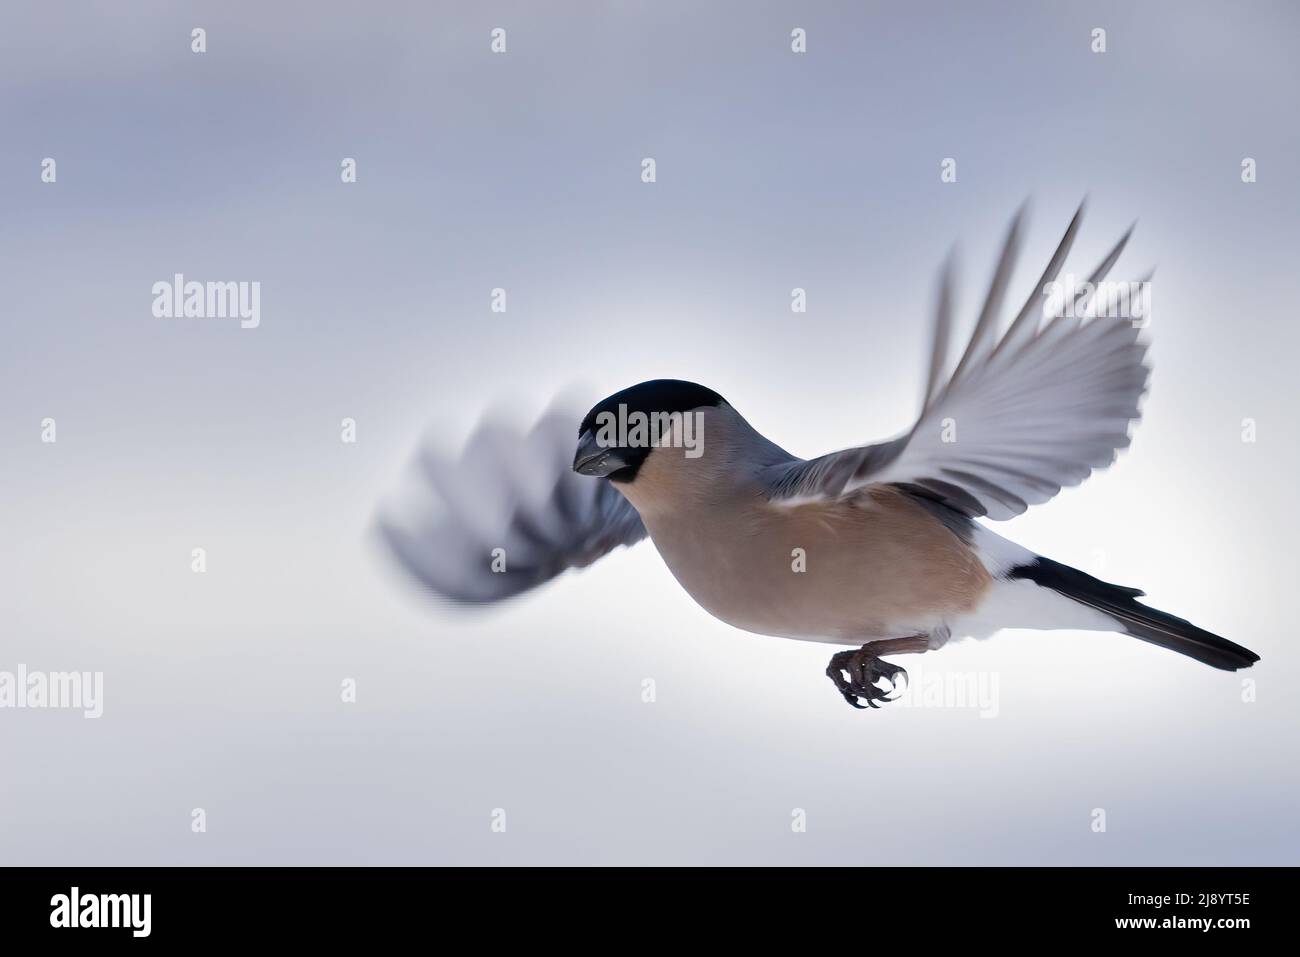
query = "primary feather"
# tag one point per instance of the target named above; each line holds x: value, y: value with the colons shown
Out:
x: 1021, y: 416
x: 515, y: 493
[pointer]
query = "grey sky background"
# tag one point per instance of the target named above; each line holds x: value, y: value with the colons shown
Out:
x: 521, y: 171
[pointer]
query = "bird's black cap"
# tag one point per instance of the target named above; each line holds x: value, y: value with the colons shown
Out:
x: 656, y: 395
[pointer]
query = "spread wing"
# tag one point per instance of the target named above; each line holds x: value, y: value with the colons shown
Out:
x: 510, y: 515
x: 1023, y: 414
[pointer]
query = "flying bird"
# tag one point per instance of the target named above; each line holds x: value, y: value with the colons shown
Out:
x: 879, y: 547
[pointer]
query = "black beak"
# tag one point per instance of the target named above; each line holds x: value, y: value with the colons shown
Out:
x: 592, y: 459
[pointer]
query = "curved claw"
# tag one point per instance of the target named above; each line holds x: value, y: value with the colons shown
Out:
x: 864, y: 669
x: 835, y: 671
x: 896, y: 676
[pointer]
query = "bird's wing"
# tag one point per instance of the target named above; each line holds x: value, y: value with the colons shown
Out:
x: 514, y: 493
x: 1022, y: 415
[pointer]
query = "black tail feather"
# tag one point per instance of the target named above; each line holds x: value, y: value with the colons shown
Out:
x: 1136, y: 619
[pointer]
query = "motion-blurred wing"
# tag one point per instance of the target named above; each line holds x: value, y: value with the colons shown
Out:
x: 1022, y: 415
x: 509, y: 515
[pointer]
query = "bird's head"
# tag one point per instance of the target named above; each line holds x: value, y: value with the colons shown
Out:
x: 622, y: 431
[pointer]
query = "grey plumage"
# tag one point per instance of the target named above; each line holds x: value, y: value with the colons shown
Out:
x: 1031, y: 412
x: 511, y: 492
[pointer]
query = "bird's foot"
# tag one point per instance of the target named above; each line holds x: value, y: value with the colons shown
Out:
x: 863, y: 669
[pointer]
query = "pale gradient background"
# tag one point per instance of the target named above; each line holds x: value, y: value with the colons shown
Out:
x: 522, y: 171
